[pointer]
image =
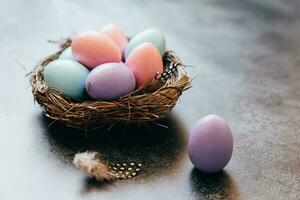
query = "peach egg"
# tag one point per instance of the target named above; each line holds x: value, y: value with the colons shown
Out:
x: 92, y: 49
x: 145, y: 62
x: 116, y: 34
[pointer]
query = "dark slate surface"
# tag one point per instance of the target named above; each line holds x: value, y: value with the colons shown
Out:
x: 247, y: 69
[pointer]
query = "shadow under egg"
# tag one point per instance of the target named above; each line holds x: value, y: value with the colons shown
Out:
x: 213, y: 186
x: 92, y: 184
x: 159, y: 149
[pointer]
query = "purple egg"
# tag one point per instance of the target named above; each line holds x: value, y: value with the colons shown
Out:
x: 210, y: 144
x: 110, y: 81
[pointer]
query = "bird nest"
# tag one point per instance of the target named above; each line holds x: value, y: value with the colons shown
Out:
x: 149, y: 103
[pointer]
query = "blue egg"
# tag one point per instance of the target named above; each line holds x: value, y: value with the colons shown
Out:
x: 154, y: 36
x: 67, y: 54
x: 66, y: 76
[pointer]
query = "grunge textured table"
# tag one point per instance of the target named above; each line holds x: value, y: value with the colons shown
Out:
x: 244, y: 58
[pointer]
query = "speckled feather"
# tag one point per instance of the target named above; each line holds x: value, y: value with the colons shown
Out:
x: 92, y: 164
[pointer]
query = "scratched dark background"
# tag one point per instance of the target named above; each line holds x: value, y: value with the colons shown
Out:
x: 246, y: 58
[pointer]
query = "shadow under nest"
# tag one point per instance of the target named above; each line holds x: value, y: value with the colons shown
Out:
x: 158, y: 148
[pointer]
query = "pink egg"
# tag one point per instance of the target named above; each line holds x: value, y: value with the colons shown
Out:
x: 92, y: 49
x: 116, y: 34
x: 145, y: 62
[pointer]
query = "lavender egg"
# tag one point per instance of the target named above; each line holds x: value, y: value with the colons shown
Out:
x: 210, y: 144
x: 110, y: 81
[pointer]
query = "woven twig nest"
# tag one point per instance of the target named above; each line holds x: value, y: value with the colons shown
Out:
x: 149, y: 103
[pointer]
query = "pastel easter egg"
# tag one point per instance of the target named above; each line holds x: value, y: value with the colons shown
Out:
x: 116, y: 34
x: 67, y: 54
x: 92, y: 49
x: 110, y: 81
x: 145, y: 63
x: 66, y: 76
x: 210, y: 144
x: 153, y: 36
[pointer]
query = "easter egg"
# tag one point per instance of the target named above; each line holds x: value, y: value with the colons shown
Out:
x: 145, y: 63
x: 153, y: 36
x: 66, y: 54
x: 210, y: 144
x: 92, y: 49
x: 66, y: 76
x: 110, y: 81
x: 116, y: 34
